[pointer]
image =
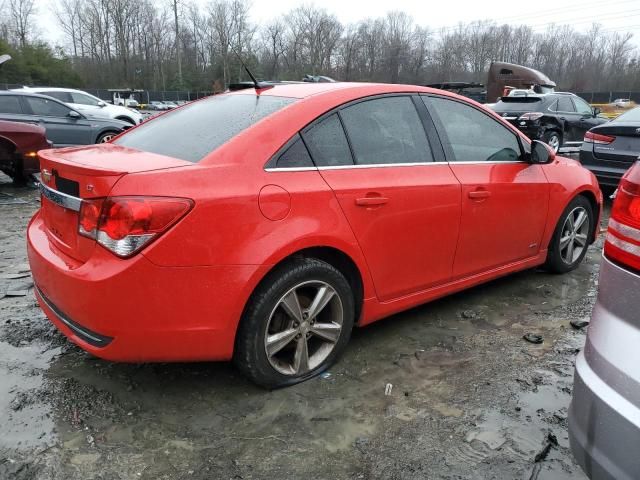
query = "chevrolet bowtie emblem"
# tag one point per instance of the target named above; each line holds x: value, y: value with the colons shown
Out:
x: 46, y: 175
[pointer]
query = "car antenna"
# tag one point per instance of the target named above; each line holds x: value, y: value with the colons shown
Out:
x: 256, y: 84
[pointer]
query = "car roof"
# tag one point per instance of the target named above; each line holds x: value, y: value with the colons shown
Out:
x: 50, y: 89
x: 309, y: 89
x: 26, y: 93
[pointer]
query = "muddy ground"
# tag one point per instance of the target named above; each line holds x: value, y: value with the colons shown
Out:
x: 470, y: 399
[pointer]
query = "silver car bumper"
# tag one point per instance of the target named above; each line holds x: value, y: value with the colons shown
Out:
x: 604, y: 416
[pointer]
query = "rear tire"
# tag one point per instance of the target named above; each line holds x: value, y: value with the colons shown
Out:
x: 295, y: 325
x: 553, y: 139
x: 571, y: 237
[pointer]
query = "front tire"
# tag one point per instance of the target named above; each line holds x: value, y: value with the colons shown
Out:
x: 296, y: 324
x: 571, y: 237
x: 106, y: 137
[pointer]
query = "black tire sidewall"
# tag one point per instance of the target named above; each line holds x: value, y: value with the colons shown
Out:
x: 250, y: 356
x: 555, y: 263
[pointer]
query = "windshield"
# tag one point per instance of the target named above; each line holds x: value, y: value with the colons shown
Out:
x: 630, y: 116
x: 195, y: 130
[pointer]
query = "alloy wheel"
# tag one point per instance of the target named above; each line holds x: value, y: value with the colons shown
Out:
x: 554, y: 143
x: 303, y: 328
x: 106, y: 138
x: 575, y: 232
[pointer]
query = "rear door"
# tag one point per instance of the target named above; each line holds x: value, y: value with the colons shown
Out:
x: 504, y: 199
x: 62, y: 129
x: 403, y: 206
x: 566, y: 112
x: 11, y: 108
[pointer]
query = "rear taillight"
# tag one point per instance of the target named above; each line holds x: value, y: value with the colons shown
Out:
x: 530, y: 116
x: 598, y: 138
x: 124, y: 225
x: 622, y: 243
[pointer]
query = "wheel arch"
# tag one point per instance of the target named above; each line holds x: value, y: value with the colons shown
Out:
x: 124, y: 118
x: 595, y: 207
x: 332, y: 255
x: 8, y: 144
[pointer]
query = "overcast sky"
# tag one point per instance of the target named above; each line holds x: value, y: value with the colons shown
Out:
x: 622, y: 15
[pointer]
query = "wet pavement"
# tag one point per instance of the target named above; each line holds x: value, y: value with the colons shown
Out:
x: 469, y: 397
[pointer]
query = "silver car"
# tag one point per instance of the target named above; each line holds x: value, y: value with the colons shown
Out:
x: 604, y: 416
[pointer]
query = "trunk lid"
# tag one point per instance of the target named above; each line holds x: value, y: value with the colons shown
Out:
x: 69, y: 175
x: 625, y: 149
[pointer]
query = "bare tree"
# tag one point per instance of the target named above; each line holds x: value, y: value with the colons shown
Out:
x: 21, y: 13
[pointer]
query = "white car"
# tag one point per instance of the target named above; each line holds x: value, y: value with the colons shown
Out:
x: 622, y: 102
x: 88, y: 104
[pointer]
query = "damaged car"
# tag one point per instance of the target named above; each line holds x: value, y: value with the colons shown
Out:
x: 309, y: 209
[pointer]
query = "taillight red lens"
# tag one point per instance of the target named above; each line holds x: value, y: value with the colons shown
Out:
x: 89, y: 216
x: 530, y: 116
x: 126, y: 224
x: 622, y: 243
x: 598, y: 138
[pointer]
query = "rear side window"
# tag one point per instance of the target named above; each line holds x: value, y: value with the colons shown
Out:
x: 62, y: 96
x: 472, y: 135
x: 386, y: 130
x: 46, y: 107
x: 328, y: 143
x: 10, y: 104
x: 295, y: 156
x: 565, y: 105
x: 194, y: 131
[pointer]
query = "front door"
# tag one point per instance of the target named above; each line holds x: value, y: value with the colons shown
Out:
x: 61, y: 128
x: 504, y: 199
x: 403, y: 208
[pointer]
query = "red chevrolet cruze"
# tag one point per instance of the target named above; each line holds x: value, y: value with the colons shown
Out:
x: 262, y: 225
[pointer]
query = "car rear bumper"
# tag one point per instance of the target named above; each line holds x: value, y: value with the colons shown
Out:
x: 604, y: 415
x: 133, y: 310
x: 607, y: 176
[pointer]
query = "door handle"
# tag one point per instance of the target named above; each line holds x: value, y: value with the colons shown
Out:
x: 479, y: 194
x: 371, y: 201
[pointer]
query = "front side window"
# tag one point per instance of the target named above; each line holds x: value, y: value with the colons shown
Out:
x: 82, y: 99
x: 328, y: 144
x: 386, y: 130
x: 472, y: 135
x: 46, y: 108
x: 582, y: 107
x: 192, y: 132
x: 10, y: 104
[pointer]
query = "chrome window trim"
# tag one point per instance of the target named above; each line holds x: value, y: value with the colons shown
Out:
x: 66, y: 201
x: 387, y: 165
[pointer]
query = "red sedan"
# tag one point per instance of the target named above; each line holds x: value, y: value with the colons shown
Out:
x: 19, y: 144
x: 262, y: 225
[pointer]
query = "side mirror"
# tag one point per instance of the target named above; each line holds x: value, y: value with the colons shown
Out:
x: 102, y: 104
x: 596, y: 111
x: 541, y: 153
x: 73, y: 114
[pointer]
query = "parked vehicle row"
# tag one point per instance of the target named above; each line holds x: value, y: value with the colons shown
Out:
x: 309, y: 209
x: 88, y: 104
x: 558, y: 119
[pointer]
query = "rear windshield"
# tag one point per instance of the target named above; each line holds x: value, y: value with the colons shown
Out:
x: 192, y: 132
x: 518, y: 104
x: 630, y: 116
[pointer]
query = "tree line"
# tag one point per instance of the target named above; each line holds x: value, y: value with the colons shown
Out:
x: 179, y: 45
